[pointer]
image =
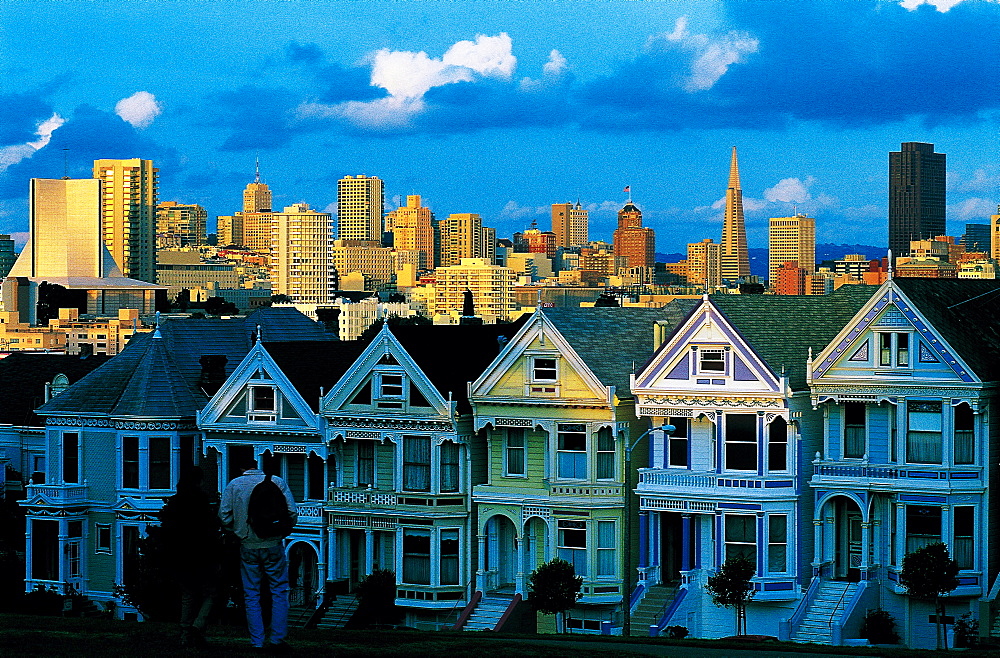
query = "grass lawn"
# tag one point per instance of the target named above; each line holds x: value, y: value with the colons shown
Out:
x: 23, y: 635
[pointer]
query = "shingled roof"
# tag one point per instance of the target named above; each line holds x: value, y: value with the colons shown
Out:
x: 156, y: 375
x: 613, y: 342
x: 23, y: 377
x: 782, y: 328
x: 965, y: 312
x: 314, y: 366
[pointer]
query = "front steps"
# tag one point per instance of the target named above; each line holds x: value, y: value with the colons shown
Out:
x: 650, y: 609
x: 831, y: 598
x: 341, y: 609
x: 487, y: 613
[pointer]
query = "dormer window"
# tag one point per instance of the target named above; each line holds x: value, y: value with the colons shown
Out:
x: 263, y: 404
x: 711, y: 360
x: 390, y: 389
x: 544, y: 370
x: 894, y: 349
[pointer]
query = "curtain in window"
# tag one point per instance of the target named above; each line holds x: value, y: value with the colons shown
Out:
x: 777, y: 548
x: 515, y: 452
x: 923, y: 436
x: 417, y: 463
x: 449, y: 466
x: 449, y: 557
x: 417, y: 557
x: 923, y: 526
x: 606, y: 548
x: 605, y: 454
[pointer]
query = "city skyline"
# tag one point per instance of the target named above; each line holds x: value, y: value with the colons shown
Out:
x: 506, y: 112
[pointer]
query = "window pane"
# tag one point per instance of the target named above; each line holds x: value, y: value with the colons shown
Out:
x: 416, y: 463
x: 449, y: 466
x: 159, y: 462
x: 712, y: 361
x: 680, y: 427
x: 71, y: 457
x: 777, y: 457
x: 544, y: 369
x: 417, y: 556
x: 741, y: 528
x: 263, y: 398
x: 392, y: 386
x: 449, y: 557
x: 678, y: 451
x: 923, y: 526
x: 515, y: 452
x: 366, y: 463
x: 130, y: 462
x: 854, y: 430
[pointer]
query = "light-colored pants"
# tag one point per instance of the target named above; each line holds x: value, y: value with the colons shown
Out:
x: 256, y: 564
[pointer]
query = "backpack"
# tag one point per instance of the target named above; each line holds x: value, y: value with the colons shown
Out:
x: 267, y: 511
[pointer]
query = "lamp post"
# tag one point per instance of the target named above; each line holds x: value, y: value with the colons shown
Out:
x: 627, y: 599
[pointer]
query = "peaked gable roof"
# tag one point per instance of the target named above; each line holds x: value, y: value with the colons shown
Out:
x: 313, y: 366
x: 965, y: 312
x: 23, y: 377
x: 613, y: 342
x: 781, y: 329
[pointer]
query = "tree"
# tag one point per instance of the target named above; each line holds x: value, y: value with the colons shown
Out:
x: 376, y: 600
x: 606, y: 300
x: 732, y: 586
x: 554, y: 587
x: 281, y: 299
x: 929, y: 573
x: 219, y: 306
x: 182, y: 300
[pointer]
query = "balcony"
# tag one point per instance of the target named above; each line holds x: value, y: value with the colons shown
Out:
x: 587, y: 490
x: 672, y: 482
x: 355, y: 498
x: 898, y: 478
x: 60, y: 495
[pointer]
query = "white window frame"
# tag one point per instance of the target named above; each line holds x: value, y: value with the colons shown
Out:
x: 671, y: 439
x: 894, y: 350
x: 536, y: 368
x: 508, y: 449
x: 576, y: 453
x: 142, y: 447
x: 771, y: 543
x: 843, y: 445
x: 702, y: 351
x: 603, y: 550
x: 578, y: 526
x: 100, y: 547
x: 256, y: 415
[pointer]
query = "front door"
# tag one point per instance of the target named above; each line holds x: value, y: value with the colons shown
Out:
x: 671, y: 546
x: 854, y: 546
x: 356, y: 556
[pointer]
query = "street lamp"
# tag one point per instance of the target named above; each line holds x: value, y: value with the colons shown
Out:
x: 627, y: 598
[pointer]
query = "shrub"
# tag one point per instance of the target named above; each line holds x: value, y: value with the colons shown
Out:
x: 967, y: 631
x: 879, y: 627
x: 676, y: 632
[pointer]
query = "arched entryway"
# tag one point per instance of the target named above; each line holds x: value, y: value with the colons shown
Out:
x: 844, y: 540
x: 535, y: 544
x: 303, y: 573
x: 501, y: 553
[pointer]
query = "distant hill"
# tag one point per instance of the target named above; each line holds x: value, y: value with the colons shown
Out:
x: 758, y: 256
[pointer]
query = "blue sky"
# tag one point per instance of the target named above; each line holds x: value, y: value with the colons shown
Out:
x: 503, y: 108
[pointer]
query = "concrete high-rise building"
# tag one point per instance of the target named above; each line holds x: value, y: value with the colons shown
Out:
x: 301, y: 240
x: 916, y: 195
x: 634, y: 243
x: 704, y: 268
x: 540, y: 242
x: 180, y: 225
x: 569, y: 223
x: 128, y: 214
x: 458, y: 236
x: 257, y: 195
x: 995, y: 235
x: 791, y: 239
x: 977, y: 238
x: 229, y: 229
x: 7, y: 255
x: 413, y: 229
x: 734, y: 256
x: 489, y: 248
x: 250, y: 227
x: 491, y: 286
x: 359, y: 208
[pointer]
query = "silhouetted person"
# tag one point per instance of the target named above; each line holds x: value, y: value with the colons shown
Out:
x: 192, y: 540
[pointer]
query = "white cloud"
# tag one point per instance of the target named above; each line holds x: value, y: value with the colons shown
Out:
x: 789, y: 190
x: 980, y: 181
x: 139, y: 109
x: 407, y: 76
x: 712, y: 56
x: 556, y: 64
x: 973, y: 208
x: 11, y: 155
x: 605, y: 206
x: 941, y: 5
x: 514, y: 210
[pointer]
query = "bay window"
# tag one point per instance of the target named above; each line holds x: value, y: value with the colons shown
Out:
x: 572, y: 450
x: 606, y: 561
x: 677, y: 450
x: 71, y: 458
x: 777, y: 445
x: 449, y: 466
x: 741, y: 537
x: 923, y: 432
x: 777, y: 543
x: 365, y: 475
x: 605, y: 454
x: 923, y: 526
x: 417, y: 556
x: 963, y: 549
x: 572, y: 544
x: 416, y: 463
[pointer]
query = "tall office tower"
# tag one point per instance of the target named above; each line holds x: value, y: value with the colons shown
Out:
x: 791, y: 239
x: 257, y: 195
x: 995, y: 235
x: 128, y: 214
x: 459, y: 236
x: 569, y: 223
x: 412, y: 229
x: 492, y: 289
x: 180, y: 225
x: 634, y: 242
x: 916, y: 195
x: 704, y: 268
x: 301, y: 240
x: 359, y: 208
x: 540, y: 242
x: 7, y: 255
x: 230, y: 230
x: 489, y: 249
x: 977, y: 238
x: 734, y: 257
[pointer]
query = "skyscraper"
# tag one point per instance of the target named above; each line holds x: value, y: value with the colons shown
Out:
x: 916, y: 195
x: 412, y: 229
x: 359, y: 208
x: 128, y: 214
x: 301, y: 241
x: 634, y: 242
x: 180, y: 225
x: 733, y: 255
x: 459, y: 236
x: 703, y: 264
x: 791, y: 239
x: 569, y: 223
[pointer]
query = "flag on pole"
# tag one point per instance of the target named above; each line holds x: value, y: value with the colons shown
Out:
x: 628, y: 188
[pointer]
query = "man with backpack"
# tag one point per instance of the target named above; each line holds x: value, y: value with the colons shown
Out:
x: 261, y: 511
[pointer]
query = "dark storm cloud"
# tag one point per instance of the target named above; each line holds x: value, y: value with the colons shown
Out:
x: 20, y: 115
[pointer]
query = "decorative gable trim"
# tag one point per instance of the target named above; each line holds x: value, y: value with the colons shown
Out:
x: 904, y: 315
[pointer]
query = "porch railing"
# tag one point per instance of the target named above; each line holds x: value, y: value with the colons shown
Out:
x: 59, y: 494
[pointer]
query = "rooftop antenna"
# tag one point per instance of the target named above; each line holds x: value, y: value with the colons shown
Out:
x: 795, y: 210
x: 628, y: 188
x: 890, y: 264
x: 256, y: 178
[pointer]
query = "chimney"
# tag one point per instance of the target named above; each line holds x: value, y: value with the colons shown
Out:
x: 213, y: 373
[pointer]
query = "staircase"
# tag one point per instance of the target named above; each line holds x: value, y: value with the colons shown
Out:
x: 826, y: 607
x: 487, y: 614
x: 650, y: 609
x: 341, y: 609
x: 995, y: 629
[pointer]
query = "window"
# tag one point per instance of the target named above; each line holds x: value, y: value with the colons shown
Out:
x: 449, y: 557
x: 854, y: 429
x: 544, y: 370
x: 894, y: 345
x: 965, y: 435
x: 711, y: 361
x: 73, y: 548
x: 316, y: 477
x: 923, y: 526
x: 572, y: 450
x: 606, y: 548
x: 777, y: 543
x: 449, y: 466
x: 964, y: 546
x: 391, y: 386
x: 923, y: 432
x: 159, y: 462
x: 366, y: 463
x: 573, y: 544
x: 71, y: 458
x: 416, y: 463
x: 130, y: 462
x: 44, y: 549
x: 605, y: 454
x: 262, y: 399
x: 741, y: 442
x: 514, y: 452
x: 777, y: 445
x: 417, y: 556
x: 677, y: 448
x: 741, y: 537
x: 102, y: 543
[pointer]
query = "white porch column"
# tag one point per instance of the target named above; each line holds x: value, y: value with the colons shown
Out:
x: 900, y: 534
x: 369, y: 551
x: 866, y: 539
x: 481, y: 572
x: 946, y: 525
x: 519, y: 587
x: 817, y: 543
x: 333, y: 566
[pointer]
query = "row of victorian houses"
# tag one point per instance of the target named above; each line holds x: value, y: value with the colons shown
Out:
x: 822, y: 437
